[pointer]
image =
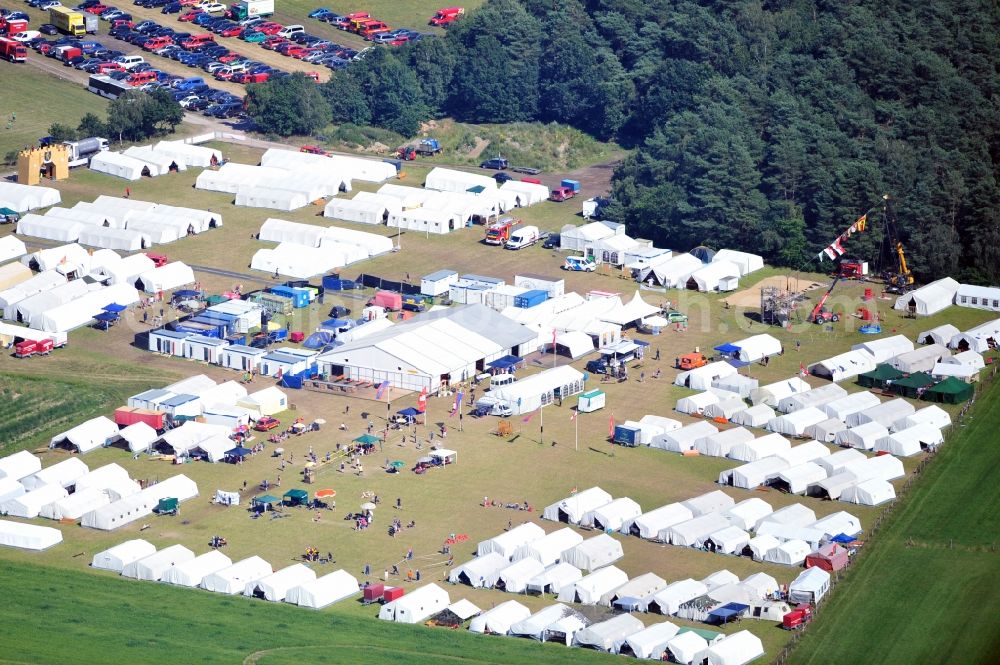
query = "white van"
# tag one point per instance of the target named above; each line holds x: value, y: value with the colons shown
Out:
x: 290, y: 30
x: 579, y: 263
x: 522, y: 237
x: 498, y: 380
x: 130, y: 61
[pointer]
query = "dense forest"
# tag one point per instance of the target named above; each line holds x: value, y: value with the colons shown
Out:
x: 767, y: 126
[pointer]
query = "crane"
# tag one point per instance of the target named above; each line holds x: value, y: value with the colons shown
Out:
x: 899, y: 279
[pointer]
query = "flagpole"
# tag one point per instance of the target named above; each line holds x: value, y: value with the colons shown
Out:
x: 541, y: 411
x: 576, y: 432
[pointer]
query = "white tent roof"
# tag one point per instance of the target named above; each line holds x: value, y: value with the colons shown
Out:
x: 534, y: 626
x: 872, y: 492
x: 941, y: 334
x: 190, y: 434
x: 754, y: 474
x: 76, y: 505
x: 159, y: 163
x: 275, y: 587
x: 761, y: 545
x: 506, y: 543
x: 232, y: 175
x: 576, y: 505
x: 932, y: 415
x: 499, y: 619
x: 685, y: 438
x: 323, y: 591
x: 810, y: 586
x: 634, y: 310
x: 765, y: 446
x: 49, y: 228
x: 736, y: 649
x: 978, y: 338
x: 450, y: 180
x: 794, y: 514
x: 804, y: 452
x: 674, y: 272
x: 364, y: 208
x: 814, y: 397
x: 589, y: 589
x: 28, y: 536
x: 119, y: 556
x: 651, y: 642
x: 754, y: 416
x: 697, y: 403
x: 298, y: 261
x: 676, y: 594
x: 884, y: 414
x: 279, y: 230
x: 789, y: 553
x: 23, y: 198
x: 9, y: 489
x: 464, y: 609
x: 717, y: 276
x: 255, y: 196
x: 612, y: 515
x: 604, y: 635
x: 234, y: 579
x: 884, y: 348
x: 773, y: 393
x: 748, y: 513
x: 798, y: 478
x: 729, y: 540
x: 709, y: 502
x: 839, y: 460
x: 119, y: 165
x: 737, y: 384
x: 20, y: 464
x: 921, y: 359
x: 193, y: 155
x: 31, y: 309
x: 81, y: 311
x: 694, y: 532
x: 479, y: 572
x: 368, y: 244
x: 102, y: 477
x: 139, y: 436
x: 845, y: 406
x: 929, y: 299
x: 650, y: 524
x: 516, y: 576
x: 725, y: 408
x: 555, y: 578
x: 944, y: 370
x: 89, y: 435
x: 154, y: 566
x: 701, y: 378
x: 638, y: 587
x: 761, y: 584
x: 840, y: 522
x: 746, y: 262
x: 909, y: 441
x: 165, y: 278
x: 191, y: 573
x: 547, y: 550
x: 416, y: 606
x: 796, y: 422
x: 11, y: 247
x: 528, y: 193
x: 757, y: 347
x: 128, y: 240
x: 844, y: 366
x: 719, y: 445
x: 594, y: 553
x: 63, y: 474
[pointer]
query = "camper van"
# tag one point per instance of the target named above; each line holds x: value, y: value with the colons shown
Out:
x: 580, y: 264
x: 523, y: 237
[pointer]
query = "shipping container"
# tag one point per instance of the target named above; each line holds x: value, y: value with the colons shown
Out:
x: 627, y: 435
x: 128, y: 415
x: 299, y: 297
x: 531, y: 298
x: 572, y: 184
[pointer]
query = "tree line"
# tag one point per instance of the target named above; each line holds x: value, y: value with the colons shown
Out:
x: 766, y: 126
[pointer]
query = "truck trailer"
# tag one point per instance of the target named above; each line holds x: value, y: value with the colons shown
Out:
x: 251, y: 8
x: 70, y: 21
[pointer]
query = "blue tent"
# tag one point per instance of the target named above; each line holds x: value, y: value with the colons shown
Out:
x: 114, y: 307
x: 843, y: 538
x: 727, y: 348
x: 238, y: 451
x: 107, y: 317
x: 726, y: 613
x: 318, y: 340
x: 187, y: 293
x: 506, y: 362
x: 737, y: 363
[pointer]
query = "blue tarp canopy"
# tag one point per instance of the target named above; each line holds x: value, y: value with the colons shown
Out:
x: 107, y: 317
x: 114, y: 307
x: 737, y: 363
x: 239, y: 451
x: 727, y: 348
x: 505, y: 362
x: 335, y: 323
x: 629, y: 603
x: 727, y: 612
x: 318, y: 340
x: 409, y: 412
x: 639, y: 342
x: 843, y: 538
x: 187, y: 293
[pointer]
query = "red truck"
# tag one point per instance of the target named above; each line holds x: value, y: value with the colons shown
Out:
x: 446, y: 16
x: 390, y: 300
x: 31, y: 347
x: 499, y: 232
x: 12, y: 51
x: 13, y: 27
x: 797, y: 618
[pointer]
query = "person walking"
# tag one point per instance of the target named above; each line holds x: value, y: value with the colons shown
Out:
x: 368, y: 570
x: 399, y: 503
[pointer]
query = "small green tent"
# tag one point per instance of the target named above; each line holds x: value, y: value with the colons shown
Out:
x: 296, y: 497
x: 880, y: 376
x: 950, y: 391
x: 367, y: 439
x: 264, y: 502
x: 912, y: 385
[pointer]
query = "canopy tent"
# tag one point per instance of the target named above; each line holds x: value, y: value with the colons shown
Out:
x: 910, y: 441
x: 275, y: 587
x: 22, y: 198
x: 815, y: 397
x: 736, y: 649
x: 694, y: 532
x: 515, y: 577
x: 746, y: 262
x: 63, y: 474
x: 498, y: 620
x: 872, y: 492
x: 28, y: 536
x: 728, y: 540
x: 843, y: 407
x: 10, y: 489
x: 754, y: 416
x: 554, y: 578
x: 672, y: 273
x: 101, y: 478
x: 649, y: 643
x: 830, y: 557
x: 794, y: 514
x: 697, y: 403
x: 843, y: 366
x: 797, y: 479
x: 759, y: 546
x: 737, y: 384
x: 507, y: 542
x: 549, y: 549
x: 119, y: 165
x: 773, y: 393
x: 685, y: 438
x: 156, y: 565
x: 165, y: 278
x: 572, y: 508
x: 717, y: 276
x: 480, y: 572
x: 234, y: 579
x: 416, y: 606
x: 575, y: 343
x: 634, y: 310
x: 604, y: 635
x: 701, y: 378
x: 138, y: 436
x: 709, y: 502
x: 921, y: 359
x: 837, y: 523
x: 190, y: 573
x: 588, y: 590
x: 796, y: 422
x: 593, y: 553
x: 669, y: 599
x: 638, y: 587
x: 758, y: 347
x: 192, y: 155
x: 719, y: 445
x: 116, y: 558
x: 11, y: 247
x: 20, y: 464
x: 87, y: 436
x: 748, y: 513
x: 648, y: 525
x: 880, y: 377
x: 941, y: 334
x: 323, y: 591
x: 765, y: 446
x: 950, y: 391
x: 884, y: 414
x: 611, y: 516
x: 884, y: 348
x: 788, y: 553
x: 929, y: 299
x: 932, y: 415
x: 754, y: 474
x: 725, y: 408
x: 810, y: 586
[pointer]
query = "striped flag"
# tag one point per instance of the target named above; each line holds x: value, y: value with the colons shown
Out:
x: 458, y: 403
x: 382, y: 387
x: 422, y: 400
x: 527, y: 418
x: 611, y: 426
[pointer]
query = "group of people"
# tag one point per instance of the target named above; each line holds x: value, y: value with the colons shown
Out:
x: 493, y: 503
x: 312, y: 554
x: 397, y: 526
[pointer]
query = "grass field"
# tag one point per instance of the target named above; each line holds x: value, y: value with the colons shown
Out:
x: 928, y: 590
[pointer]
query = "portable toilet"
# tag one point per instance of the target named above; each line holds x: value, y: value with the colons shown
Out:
x: 572, y: 184
x: 592, y: 400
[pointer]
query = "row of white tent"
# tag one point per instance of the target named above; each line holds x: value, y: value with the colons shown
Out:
x: 976, y: 340
x: 296, y: 584
x: 306, y: 250
x: 22, y: 198
x: 940, y: 294
x: 681, y: 271
x: 153, y: 160
x: 899, y: 352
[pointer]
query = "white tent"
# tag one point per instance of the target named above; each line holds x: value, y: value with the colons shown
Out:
x: 449, y: 180
x: 611, y: 516
x: 13, y: 273
x: 685, y: 647
x: 719, y: 445
x: 765, y: 446
x: 594, y: 553
x: 672, y: 273
x: 759, y: 546
x: 49, y: 228
x: 789, y: 553
x: 579, y: 238
x: 735, y: 649
x: 929, y: 299
x: 838, y: 461
x: 534, y: 626
x: 589, y: 589
x: 748, y: 513
x: 638, y: 587
x: 155, y: 231
x: 87, y: 436
x: 649, y: 643
x: 757, y: 347
x: 795, y: 514
x: 187, y: 220
x: 297, y: 261
x: 932, y: 415
x: 694, y: 532
x: 547, y: 550
x: 81, y: 311
x: 119, y: 556
x: 266, y: 402
x: 515, y: 577
x: 837, y: 523
x: 127, y: 270
x: 191, y: 573
x: 192, y: 155
x: 134, y: 507
x: 884, y: 348
x: 497, y: 621
x: 943, y: 370
x: 84, y: 215
x: 910, y: 441
x: 717, y: 276
x: 941, y: 334
x: 843, y: 366
x: 978, y: 297
x: 725, y: 408
x: 30, y: 310
x: 20, y: 464
x: 480, y: 572
x: 507, y: 542
x: 22, y: 198
x: 166, y: 278
x: 754, y: 474
x: 773, y: 393
x: 28, y: 536
x: 424, y: 220
x: 321, y: 592
x: 127, y: 240
x: 138, y: 436
x: 815, y: 397
x: 728, y: 540
x: 670, y: 599
x: 63, y: 474
x: 685, y: 438
x: 155, y: 566
x: 232, y: 175
x: 696, y: 404
x: 649, y: 525
x: 810, y: 586
x: 921, y: 359
x: 736, y: 383
x: 275, y: 587
x: 979, y: 339
x: 369, y: 244
x: 746, y: 262
x: 804, y: 452
x: 844, y: 407
x: 869, y: 493
x: 701, y: 378
x: 754, y: 416
x: 603, y: 636
x: 10, y: 489
x: 884, y: 414
x: 554, y: 578
x: 796, y: 422
x: 181, y: 440
x: 761, y: 585
x: 234, y: 579
x: 76, y: 505
x: 119, y: 165
x: 416, y: 606
x: 797, y: 479
x: 572, y: 508
x: 526, y: 193
x: 364, y: 208
x: 278, y: 230
x: 408, y: 197
x: 157, y: 162
x: 709, y: 502
x: 255, y: 196
x: 11, y: 247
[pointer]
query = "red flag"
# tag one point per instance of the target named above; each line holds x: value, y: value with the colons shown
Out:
x: 802, y: 370
x: 611, y: 426
x: 422, y: 400
x: 572, y: 416
x: 528, y: 417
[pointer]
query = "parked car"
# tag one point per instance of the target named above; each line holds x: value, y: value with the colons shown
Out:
x: 266, y: 423
x: 48, y: 29
x: 502, y: 177
x: 498, y: 163
x: 551, y: 241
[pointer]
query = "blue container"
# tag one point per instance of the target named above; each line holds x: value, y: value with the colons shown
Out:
x: 299, y: 297
x: 627, y: 435
x: 572, y: 184
x: 332, y: 283
x: 531, y: 298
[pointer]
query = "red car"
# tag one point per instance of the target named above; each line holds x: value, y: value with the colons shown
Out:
x: 244, y: 77
x: 96, y: 9
x: 269, y: 28
x: 118, y: 22
x: 189, y: 16
x: 266, y: 423
x: 229, y: 57
x: 298, y: 52
x: 234, y: 31
x: 272, y: 43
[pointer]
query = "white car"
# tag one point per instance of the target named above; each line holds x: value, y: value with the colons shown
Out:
x: 26, y: 36
x: 212, y: 7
